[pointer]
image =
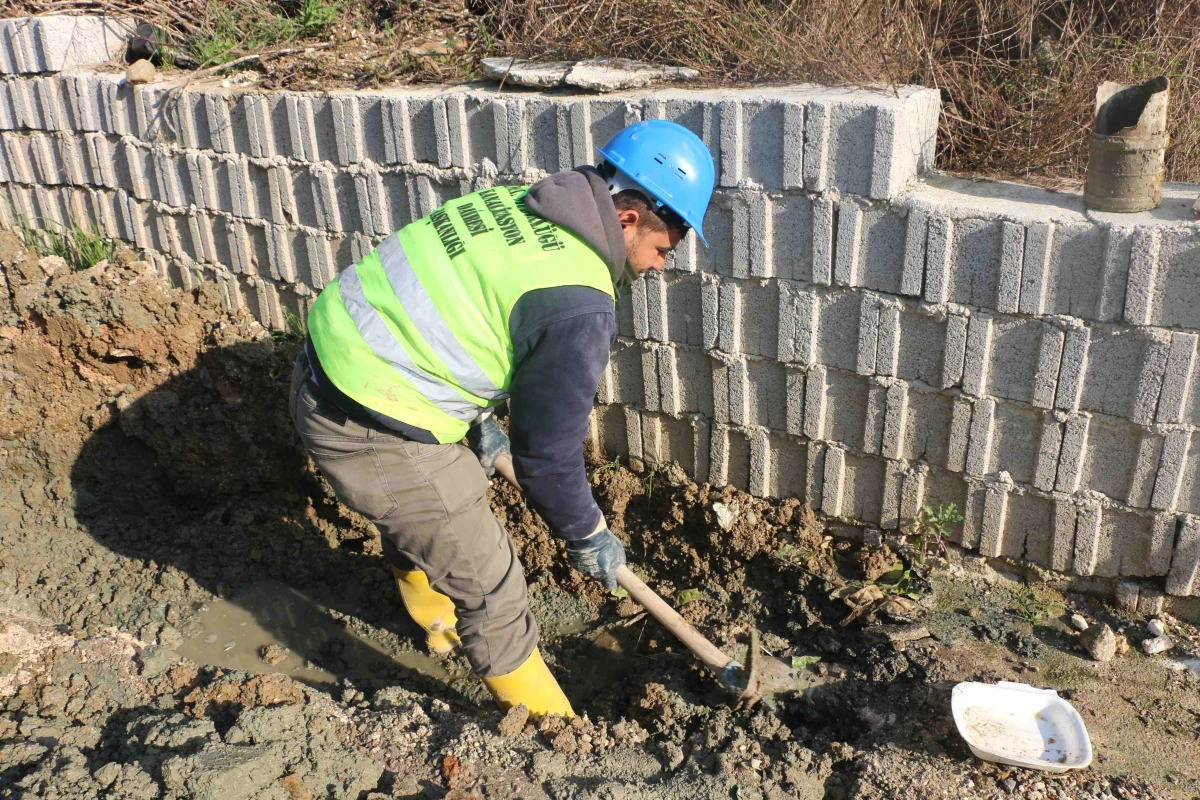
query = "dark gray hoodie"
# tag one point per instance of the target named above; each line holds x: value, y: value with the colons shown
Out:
x: 561, y: 340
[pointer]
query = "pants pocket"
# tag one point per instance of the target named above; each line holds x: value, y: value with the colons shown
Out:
x: 359, y: 481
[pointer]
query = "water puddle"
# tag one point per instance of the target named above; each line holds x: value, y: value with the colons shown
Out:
x: 236, y: 633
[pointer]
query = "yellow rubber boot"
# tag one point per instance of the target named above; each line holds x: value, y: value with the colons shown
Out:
x: 531, y: 684
x: 430, y: 609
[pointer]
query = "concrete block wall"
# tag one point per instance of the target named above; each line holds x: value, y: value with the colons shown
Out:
x: 862, y: 333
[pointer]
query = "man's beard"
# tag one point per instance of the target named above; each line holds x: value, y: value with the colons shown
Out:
x: 628, y: 276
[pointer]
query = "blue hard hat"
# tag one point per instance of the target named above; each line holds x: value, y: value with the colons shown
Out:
x: 669, y: 163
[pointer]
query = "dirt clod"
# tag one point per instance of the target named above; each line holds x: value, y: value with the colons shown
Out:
x: 1100, y: 642
x: 514, y: 721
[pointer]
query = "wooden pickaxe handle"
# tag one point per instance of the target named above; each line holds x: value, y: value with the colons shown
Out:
x: 727, y: 670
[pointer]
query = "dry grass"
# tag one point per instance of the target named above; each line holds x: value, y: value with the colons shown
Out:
x: 1017, y: 77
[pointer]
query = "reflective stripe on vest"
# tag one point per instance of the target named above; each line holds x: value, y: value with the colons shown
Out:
x: 418, y: 330
x: 383, y: 344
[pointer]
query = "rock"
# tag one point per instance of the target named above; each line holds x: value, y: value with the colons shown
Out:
x: 1196, y: 207
x: 1159, y: 644
x: 1127, y: 595
x: 726, y: 514
x: 273, y: 654
x: 224, y: 772
x: 523, y: 72
x: 1078, y: 622
x: 52, y: 264
x: 139, y: 72
x: 514, y: 721
x: 1122, y: 645
x: 1100, y: 642
x: 1156, y: 627
x: 597, y: 74
x: 614, y: 74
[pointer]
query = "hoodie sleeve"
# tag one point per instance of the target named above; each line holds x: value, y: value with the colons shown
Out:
x: 561, y: 342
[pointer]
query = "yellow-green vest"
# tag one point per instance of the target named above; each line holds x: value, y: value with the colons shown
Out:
x: 418, y: 329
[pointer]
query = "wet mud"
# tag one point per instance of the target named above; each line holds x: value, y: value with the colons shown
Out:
x: 187, y: 611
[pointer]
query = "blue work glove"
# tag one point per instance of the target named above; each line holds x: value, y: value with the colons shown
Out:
x: 598, y: 556
x: 488, y: 443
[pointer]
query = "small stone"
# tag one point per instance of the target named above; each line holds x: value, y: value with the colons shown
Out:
x: 514, y: 721
x: 229, y: 645
x: 1122, y: 645
x: 1100, y: 642
x: 1079, y: 623
x: 212, y: 637
x: 726, y: 514
x: 273, y: 654
x: 1156, y: 627
x: 973, y: 613
x: 1159, y: 644
x: 139, y: 72
x: 1127, y: 595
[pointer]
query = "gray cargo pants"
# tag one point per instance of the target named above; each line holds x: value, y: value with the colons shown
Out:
x: 429, y: 503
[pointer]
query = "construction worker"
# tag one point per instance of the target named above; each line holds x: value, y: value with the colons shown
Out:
x: 506, y: 293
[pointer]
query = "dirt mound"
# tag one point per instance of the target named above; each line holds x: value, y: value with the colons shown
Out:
x: 153, y: 480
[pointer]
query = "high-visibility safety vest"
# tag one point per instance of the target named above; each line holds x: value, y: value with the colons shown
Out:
x: 418, y: 329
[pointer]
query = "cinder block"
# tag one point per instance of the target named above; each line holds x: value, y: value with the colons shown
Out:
x: 794, y: 383
x: 1050, y: 440
x: 626, y: 379
x: 1177, y: 485
x: 939, y: 259
x: 677, y: 312
x: 786, y: 466
x: 685, y: 381
x: 995, y: 519
x: 927, y: 424
x: 1074, y: 449
x: 887, y: 356
x: 1017, y: 445
x: 1029, y: 527
x: 48, y: 93
x: 718, y: 459
x: 1120, y: 461
x: 979, y: 446
x: 321, y: 265
x: 766, y: 394
x: 1143, y: 275
x: 916, y: 232
x: 838, y: 327
x: 876, y: 416
x: 847, y: 403
x: 823, y: 238
x: 1036, y: 270
x: 978, y: 356
x: 832, y: 488
x: 799, y: 321
x: 789, y: 230
x: 1012, y: 256
x: 1088, y: 536
x: 749, y: 318
x: 1022, y: 359
x: 1062, y: 547
x: 849, y: 234
x: 1184, y: 577
x: 1176, y: 279
x: 58, y: 42
x: 652, y: 400
x: 975, y: 270
x: 1124, y: 373
x: 1177, y: 383
x: 868, y: 334
x: 895, y: 426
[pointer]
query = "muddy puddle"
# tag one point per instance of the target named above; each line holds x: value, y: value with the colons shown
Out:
x: 270, y: 627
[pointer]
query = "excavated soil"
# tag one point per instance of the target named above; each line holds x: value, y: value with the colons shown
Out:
x: 187, y: 611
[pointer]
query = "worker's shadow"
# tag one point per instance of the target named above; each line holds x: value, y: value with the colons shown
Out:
x: 204, y: 474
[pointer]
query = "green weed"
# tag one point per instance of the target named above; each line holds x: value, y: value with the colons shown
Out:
x: 294, y: 329
x: 82, y: 248
x: 931, y: 528
x: 899, y: 581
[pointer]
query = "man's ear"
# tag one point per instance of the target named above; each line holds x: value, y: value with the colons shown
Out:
x: 628, y: 217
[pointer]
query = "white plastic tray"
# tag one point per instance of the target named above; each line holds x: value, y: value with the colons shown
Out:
x: 1011, y: 723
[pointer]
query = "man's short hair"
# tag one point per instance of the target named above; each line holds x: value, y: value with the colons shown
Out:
x: 651, y: 215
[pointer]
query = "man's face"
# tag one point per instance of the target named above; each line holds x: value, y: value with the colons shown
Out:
x: 646, y: 249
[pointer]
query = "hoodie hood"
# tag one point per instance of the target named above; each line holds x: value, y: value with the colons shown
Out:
x: 578, y: 200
